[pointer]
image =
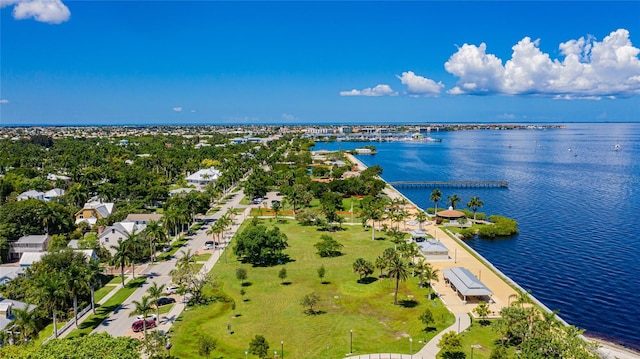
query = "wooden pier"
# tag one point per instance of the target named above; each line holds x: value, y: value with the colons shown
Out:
x: 450, y: 184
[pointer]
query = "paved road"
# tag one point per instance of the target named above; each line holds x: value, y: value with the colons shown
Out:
x: 119, y: 322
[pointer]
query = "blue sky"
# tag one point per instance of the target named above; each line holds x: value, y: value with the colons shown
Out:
x: 209, y: 62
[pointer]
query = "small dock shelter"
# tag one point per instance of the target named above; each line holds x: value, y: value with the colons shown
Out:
x: 418, y: 235
x: 466, y: 284
x: 433, y: 249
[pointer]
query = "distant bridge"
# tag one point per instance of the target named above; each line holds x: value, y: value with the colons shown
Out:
x: 450, y: 184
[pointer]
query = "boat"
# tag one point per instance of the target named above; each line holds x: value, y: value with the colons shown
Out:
x: 617, y: 147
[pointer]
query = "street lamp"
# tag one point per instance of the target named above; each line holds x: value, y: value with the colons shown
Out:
x: 246, y: 354
x: 351, y: 341
x: 411, y: 346
x: 275, y: 353
x: 327, y: 352
x: 282, y: 348
x: 474, y: 346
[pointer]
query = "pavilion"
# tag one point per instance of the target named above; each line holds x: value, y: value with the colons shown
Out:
x: 465, y: 283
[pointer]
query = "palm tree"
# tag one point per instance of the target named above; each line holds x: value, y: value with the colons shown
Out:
x: 521, y: 297
x: 398, y: 270
x: 122, y: 256
x: 51, y: 293
x: 155, y: 233
x: 381, y: 264
x: 25, y: 322
x: 92, y: 276
x: 436, y: 196
x: 473, y: 204
x: 142, y: 307
x: 186, y: 259
x: 429, y: 274
x: 453, y: 200
x: 155, y: 292
x: 421, y: 217
x: 76, y: 284
x: 133, y: 240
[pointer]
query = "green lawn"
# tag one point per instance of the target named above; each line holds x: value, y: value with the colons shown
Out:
x: 103, y: 311
x: 203, y: 257
x: 100, y: 293
x: 482, y: 337
x: 272, y: 309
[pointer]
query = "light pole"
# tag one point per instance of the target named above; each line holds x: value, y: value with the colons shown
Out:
x: 327, y: 352
x: 411, y: 346
x: 474, y: 346
x: 351, y: 341
x: 275, y: 353
x: 282, y: 348
x: 246, y: 354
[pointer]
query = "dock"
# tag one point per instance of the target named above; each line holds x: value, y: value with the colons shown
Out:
x: 450, y: 184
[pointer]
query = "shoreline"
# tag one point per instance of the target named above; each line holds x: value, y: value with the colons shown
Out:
x: 607, y: 349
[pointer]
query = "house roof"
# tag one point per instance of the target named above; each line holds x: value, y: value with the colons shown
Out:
x: 56, y: 192
x: 9, y: 273
x: 28, y: 258
x: 133, y: 217
x: 4, y: 321
x: 124, y: 228
x: 207, y: 174
x: 30, y: 194
x: 33, y: 239
x: 465, y: 282
x: 105, y: 209
x: 418, y: 233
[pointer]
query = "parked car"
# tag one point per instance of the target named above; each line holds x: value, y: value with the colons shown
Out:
x: 165, y: 301
x: 166, y: 248
x: 209, y: 245
x: 138, y: 325
x: 149, y: 316
x: 171, y: 289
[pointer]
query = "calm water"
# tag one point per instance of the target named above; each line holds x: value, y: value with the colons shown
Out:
x: 575, y: 198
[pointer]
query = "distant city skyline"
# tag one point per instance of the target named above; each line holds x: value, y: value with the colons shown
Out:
x: 212, y: 62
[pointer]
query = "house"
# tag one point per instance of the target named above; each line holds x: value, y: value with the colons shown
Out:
x: 6, y: 311
x: 182, y: 191
x: 53, y: 177
x: 30, y: 194
x: 53, y: 193
x: 28, y: 259
x: 143, y: 218
x: 119, y: 231
x: 93, y: 211
x: 7, y: 274
x: 30, y: 243
x: 204, y: 177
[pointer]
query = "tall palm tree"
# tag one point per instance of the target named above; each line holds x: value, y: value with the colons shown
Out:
x: 155, y: 292
x: 429, y: 274
x: 453, y: 200
x: 473, y: 204
x: 436, y: 196
x: 51, y: 293
x: 421, y: 217
x: 521, y: 297
x: 142, y: 307
x: 92, y: 277
x: 122, y: 256
x: 76, y: 284
x: 398, y: 269
x: 155, y: 233
x: 133, y: 247
x: 186, y: 259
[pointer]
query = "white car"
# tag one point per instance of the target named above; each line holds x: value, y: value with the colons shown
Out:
x: 209, y: 245
x: 171, y: 289
x: 149, y: 316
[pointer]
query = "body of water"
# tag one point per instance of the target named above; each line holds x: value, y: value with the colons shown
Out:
x: 576, y: 199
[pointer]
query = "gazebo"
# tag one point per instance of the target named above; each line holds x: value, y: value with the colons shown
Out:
x: 450, y: 214
x: 433, y: 249
x: 465, y: 283
x: 418, y: 235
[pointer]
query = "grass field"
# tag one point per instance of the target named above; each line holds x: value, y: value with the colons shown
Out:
x: 272, y: 308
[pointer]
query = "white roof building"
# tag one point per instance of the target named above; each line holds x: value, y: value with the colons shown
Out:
x: 30, y: 194
x: 204, y: 177
x: 53, y: 193
x: 119, y: 231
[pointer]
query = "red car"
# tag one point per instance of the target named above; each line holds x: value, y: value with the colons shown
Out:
x: 138, y: 327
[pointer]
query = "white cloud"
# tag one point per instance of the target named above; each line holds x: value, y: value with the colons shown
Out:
x: 289, y: 117
x: 420, y: 86
x: 4, y: 101
x: 177, y: 109
x: 49, y: 11
x: 507, y: 116
x: 194, y: 111
x: 379, y: 90
x: 590, y: 69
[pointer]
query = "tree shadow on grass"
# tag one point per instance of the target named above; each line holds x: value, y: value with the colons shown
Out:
x: 380, y: 238
x: 410, y: 303
x: 314, y: 312
x: 247, y: 284
x: 325, y: 282
x: 367, y: 280
x: 286, y: 283
x: 430, y: 329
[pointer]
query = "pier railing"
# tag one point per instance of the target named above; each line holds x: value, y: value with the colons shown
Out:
x: 450, y: 184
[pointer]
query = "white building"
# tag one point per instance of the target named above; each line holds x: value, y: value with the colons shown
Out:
x: 204, y: 177
x: 119, y: 231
